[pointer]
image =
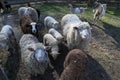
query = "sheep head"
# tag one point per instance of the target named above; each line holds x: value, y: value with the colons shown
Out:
x: 55, y: 25
x: 85, y: 30
x: 33, y: 24
x: 70, y: 5
x: 40, y: 54
x: 96, y: 5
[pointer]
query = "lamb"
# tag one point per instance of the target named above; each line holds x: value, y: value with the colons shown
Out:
x: 75, y: 65
x: 6, y: 36
x: 48, y: 39
x: 56, y: 34
x: 28, y: 20
x: 28, y: 11
x: 33, y: 54
x: 76, y: 33
x: 77, y: 10
x: 50, y: 22
x: 99, y: 10
x: 28, y: 26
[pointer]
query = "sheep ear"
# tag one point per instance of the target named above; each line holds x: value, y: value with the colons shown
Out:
x: 31, y: 49
x: 75, y: 28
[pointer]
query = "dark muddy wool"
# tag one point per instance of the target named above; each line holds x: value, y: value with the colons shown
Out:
x: 74, y: 66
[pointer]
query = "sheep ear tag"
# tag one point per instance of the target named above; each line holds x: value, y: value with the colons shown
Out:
x: 31, y: 49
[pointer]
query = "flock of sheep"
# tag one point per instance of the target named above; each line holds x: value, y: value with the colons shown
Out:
x: 34, y: 54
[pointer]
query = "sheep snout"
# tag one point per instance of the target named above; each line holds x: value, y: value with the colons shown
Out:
x: 33, y: 24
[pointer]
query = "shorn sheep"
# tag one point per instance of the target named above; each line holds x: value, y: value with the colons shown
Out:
x: 99, y: 10
x: 56, y: 34
x: 50, y: 22
x: 33, y: 54
x: 76, y: 33
x: 75, y: 66
x: 6, y: 36
x: 49, y: 40
x: 77, y: 10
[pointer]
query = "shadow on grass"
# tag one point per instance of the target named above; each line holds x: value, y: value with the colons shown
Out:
x: 114, y: 32
x: 114, y: 11
x: 95, y: 71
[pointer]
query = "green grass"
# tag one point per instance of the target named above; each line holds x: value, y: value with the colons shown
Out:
x: 53, y: 9
x: 112, y: 16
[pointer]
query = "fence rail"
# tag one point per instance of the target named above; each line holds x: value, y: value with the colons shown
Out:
x: 109, y: 3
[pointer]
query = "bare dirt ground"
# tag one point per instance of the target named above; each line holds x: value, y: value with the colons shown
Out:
x: 103, y: 54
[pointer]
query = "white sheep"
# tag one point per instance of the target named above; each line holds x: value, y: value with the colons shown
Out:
x: 33, y: 54
x: 49, y: 40
x: 99, y: 10
x: 67, y: 20
x: 50, y: 22
x: 77, y: 10
x: 28, y: 11
x: 6, y: 36
x: 77, y: 33
x: 56, y: 34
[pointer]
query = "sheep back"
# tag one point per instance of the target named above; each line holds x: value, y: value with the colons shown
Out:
x: 4, y: 41
x: 50, y: 22
x: 56, y: 34
x: 51, y: 41
x: 75, y: 65
x: 7, y: 38
x: 8, y: 30
x: 28, y: 11
x: 69, y: 18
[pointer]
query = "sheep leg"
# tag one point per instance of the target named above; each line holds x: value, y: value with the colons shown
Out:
x: 5, y: 75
